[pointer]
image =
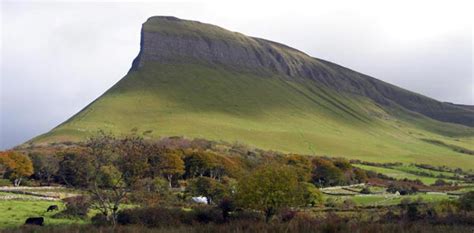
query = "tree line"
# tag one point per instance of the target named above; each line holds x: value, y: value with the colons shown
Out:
x: 116, y: 170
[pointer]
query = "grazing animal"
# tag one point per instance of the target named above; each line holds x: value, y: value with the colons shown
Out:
x: 35, y: 221
x: 52, y: 207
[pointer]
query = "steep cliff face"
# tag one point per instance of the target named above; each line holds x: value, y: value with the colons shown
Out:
x: 172, y: 40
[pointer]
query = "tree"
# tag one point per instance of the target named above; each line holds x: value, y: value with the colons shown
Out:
x: 17, y: 166
x: 117, y: 166
x: 326, y: 174
x: 107, y: 169
x: 301, y: 165
x: 151, y: 191
x: 360, y: 175
x: 269, y: 189
x: 311, y: 195
x: 197, y: 163
x: 171, y: 165
x: 74, y: 169
x: 342, y: 164
x: 207, y: 187
x: 45, y: 166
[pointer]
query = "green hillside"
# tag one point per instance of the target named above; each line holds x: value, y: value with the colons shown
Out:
x: 335, y: 112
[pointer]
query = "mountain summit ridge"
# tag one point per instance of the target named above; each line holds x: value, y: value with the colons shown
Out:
x: 167, y: 39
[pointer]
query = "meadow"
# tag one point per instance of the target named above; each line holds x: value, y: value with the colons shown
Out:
x: 406, y: 171
x: 13, y: 213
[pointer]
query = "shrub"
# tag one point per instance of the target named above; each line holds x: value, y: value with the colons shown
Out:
x: 287, y: 215
x: 246, y: 215
x: 330, y: 202
x: 311, y: 195
x: 207, y: 215
x: 153, y: 217
x: 100, y: 220
x: 402, y: 188
x: 466, y: 201
x: 348, y: 204
x: 75, y: 207
x: 412, y: 212
x: 226, y: 206
x: 365, y: 190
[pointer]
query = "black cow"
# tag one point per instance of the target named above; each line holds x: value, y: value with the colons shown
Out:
x: 38, y: 221
x: 52, y: 207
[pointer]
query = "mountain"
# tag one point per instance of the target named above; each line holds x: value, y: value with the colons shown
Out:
x: 198, y: 80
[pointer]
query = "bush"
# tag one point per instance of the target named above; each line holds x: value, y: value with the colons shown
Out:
x: 330, y: 202
x: 207, y: 215
x: 440, y: 182
x: 288, y: 215
x: 466, y: 201
x: 246, y: 215
x: 77, y: 206
x: 348, y: 204
x: 412, y: 212
x: 153, y: 217
x: 402, y: 188
x: 365, y: 190
x: 99, y: 220
x: 226, y: 206
x: 311, y: 195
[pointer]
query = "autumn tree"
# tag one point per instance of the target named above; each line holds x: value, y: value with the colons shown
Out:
x: 197, y: 163
x: 171, y: 165
x: 301, y: 165
x: 269, y: 189
x: 16, y: 166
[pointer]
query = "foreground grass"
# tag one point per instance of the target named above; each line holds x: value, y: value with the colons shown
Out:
x: 259, y: 227
x: 13, y: 213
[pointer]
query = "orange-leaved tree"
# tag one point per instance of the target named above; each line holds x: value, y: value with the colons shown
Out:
x: 16, y: 166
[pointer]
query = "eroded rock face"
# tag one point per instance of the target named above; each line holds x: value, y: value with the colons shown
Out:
x: 171, y: 40
x: 251, y: 55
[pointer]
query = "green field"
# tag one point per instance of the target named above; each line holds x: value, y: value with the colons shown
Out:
x: 414, y: 169
x: 13, y: 213
x: 400, y: 172
x: 386, y: 200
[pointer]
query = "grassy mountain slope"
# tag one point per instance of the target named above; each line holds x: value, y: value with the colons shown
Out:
x: 194, y: 91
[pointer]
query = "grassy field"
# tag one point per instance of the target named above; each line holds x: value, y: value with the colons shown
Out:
x: 265, y: 112
x: 13, y: 213
x: 401, y: 172
x: 387, y: 199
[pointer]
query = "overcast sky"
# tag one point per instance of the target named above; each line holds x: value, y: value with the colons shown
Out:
x: 56, y: 57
